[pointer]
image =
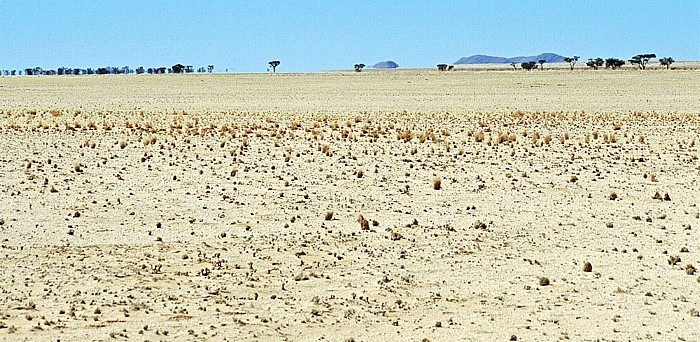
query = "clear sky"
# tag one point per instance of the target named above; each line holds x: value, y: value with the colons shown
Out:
x: 312, y: 35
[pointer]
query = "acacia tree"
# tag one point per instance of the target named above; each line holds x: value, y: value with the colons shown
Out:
x: 273, y: 65
x: 542, y: 61
x: 178, y: 68
x: 642, y: 60
x: 358, y: 67
x: 666, y: 61
x: 210, y: 68
x: 595, y: 63
x: 442, y: 67
x: 515, y: 66
x: 529, y: 65
x: 614, y: 63
x: 572, y: 61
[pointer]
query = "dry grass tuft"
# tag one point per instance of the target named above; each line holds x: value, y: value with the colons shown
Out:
x: 587, y: 267
x: 364, y: 224
x: 479, y: 137
x: 437, y: 183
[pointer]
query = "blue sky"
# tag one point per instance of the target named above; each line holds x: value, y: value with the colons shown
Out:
x: 308, y: 35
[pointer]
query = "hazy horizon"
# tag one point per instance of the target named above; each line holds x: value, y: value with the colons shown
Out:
x: 308, y: 36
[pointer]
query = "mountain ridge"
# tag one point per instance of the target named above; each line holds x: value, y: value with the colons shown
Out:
x: 484, y: 59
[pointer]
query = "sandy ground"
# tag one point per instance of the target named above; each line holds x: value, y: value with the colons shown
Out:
x: 227, y: 207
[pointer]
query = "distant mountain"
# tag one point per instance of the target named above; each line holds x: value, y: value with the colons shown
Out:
x: 386, y: 65
x: 483, y: 59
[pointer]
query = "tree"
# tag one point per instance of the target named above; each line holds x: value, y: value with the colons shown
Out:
x: 529, y: 65
x: 273, y: 65
x: 210, y: 68
x: 595, y: 63
x: 451, y: 67
x: 359, y: 67
x: 666, y: 61
x: 572, y: 61
x: 140, y: 70
x: 614, y: 63
x: 178, y: 68
x: 642, y: 60
x: 442, y: 67
x: 542, y: 61
x: 515, y: 66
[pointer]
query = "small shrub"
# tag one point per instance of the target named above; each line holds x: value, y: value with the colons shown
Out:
x: 543, y: 281
x: 364, y: 224
x: 587, y: 267
x: 613, y: 196
x: 329, y: 216
x: 479, y: 137
x: 437, y: 183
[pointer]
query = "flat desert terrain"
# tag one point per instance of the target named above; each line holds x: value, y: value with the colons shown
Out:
x: 374, y: 206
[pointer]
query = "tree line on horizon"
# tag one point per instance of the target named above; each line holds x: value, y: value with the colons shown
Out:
x: 175, y: 69
x: 639, y: 61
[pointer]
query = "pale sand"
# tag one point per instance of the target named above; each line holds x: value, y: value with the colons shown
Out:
x: 248, y: 255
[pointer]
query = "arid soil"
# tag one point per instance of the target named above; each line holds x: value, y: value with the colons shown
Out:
x: 401, y: 205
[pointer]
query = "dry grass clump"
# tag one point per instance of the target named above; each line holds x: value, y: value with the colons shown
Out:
x: 573, y: 179
x: 613, y: 196
x: 364, y: 224
x: 437, y: 183
x: 329, y: 215
x: 547, y: 139
x: 587, y: 267
x: 406, y: 136
x: 479, y: 137
x: 543, y: 281
x: 673, y: 260
x: 122, y: 145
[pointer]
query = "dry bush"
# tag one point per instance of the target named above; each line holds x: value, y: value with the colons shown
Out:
x: 437, y: 183
x: 329, y: 216
x: 364, y: 224
x: 479, y: 137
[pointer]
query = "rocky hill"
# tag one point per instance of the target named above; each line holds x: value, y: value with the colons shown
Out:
x: 483, y: 59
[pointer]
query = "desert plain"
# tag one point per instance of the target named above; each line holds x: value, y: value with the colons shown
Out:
x: 373, y: 206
